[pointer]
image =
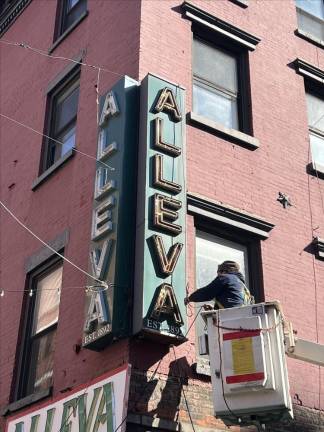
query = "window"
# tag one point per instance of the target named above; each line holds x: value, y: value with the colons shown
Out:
x: 310, y: 15
x: 69, y: 13
x: 215, y: 84
x: 40, y: 330
x: 217, y: 91
x: 223, y: 233
x: 212, y: 250
x: 62, y: 118
x: 315, y: 111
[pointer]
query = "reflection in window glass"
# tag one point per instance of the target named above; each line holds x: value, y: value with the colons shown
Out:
x: 215, y: 106
x: 315, y: 111
x: 314, y: 7
x: 211, y: 251
x: 42, y: 356
x: 215, y: 84
x: 317, y: 148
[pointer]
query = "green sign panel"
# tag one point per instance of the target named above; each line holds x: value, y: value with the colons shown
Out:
x: 111, y: 254
x: 160, y: 262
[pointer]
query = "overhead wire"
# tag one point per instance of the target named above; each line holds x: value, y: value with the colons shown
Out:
x: 55, y: 140
x: 313, y: 261
x: 102, y: 283
x: 183, y: 392
x: 55, y: 57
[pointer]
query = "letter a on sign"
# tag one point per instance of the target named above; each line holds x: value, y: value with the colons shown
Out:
x: 168, y: 103
x: 166, y: 305
x: 98, y: 312
x: 110, y: 108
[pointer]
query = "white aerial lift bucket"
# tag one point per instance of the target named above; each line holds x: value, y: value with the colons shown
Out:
x: 248, y: 364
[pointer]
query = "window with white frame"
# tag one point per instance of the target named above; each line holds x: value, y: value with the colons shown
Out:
x: 212, y: 250
x: 310, y: 15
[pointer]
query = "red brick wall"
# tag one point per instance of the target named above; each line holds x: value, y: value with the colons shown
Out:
x: 250, y: 180
x: 217, y: 169
x: 109, y: 35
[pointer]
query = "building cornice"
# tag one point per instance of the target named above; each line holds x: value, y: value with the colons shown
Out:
x: 204, y: 18
x: 229, y: 216
x: 309, y: 71
x: 319, y: 247
x: 10, y: 14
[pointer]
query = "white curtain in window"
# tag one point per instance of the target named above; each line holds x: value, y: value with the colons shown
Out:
x: 47, y: 300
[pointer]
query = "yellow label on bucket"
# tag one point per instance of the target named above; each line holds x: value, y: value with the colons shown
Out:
x: 242, y: 356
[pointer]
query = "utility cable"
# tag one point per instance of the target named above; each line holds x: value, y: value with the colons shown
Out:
x: 55, y: 140
x: 221, y: 371
x: 102, y: 283
x: 45, y: 54
x: 182, y: 389
x: 142, y: 393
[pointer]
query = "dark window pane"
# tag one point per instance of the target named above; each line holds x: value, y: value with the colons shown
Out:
x: 41, y: 363
x: 66, y: 109
x: 72, y: 3
x: 73, y: 10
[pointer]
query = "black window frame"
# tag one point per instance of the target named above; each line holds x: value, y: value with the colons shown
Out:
x: 49, y: 148
x: 23, y: 360
x: 253, y: 244
x: 316, y: 89
x: 63, y: 13
x: 244, y: 104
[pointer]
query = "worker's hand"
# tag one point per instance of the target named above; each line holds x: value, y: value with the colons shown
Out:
x: 186, y: 301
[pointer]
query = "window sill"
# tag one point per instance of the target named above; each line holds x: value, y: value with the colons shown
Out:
x: 310, y: 38
x: 232, y: 134
x: 26, y: 401
x: 242, y: 3
x: 52, y: 169
x: 315, y: 169
x: 67, y: 32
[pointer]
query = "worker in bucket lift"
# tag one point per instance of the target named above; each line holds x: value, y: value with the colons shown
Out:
x: 228, y: 289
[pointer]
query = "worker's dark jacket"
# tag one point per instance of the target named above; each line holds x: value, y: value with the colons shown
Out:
x: 226, y: 289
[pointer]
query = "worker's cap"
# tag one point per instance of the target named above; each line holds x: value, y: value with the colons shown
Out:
x: 229, y: 267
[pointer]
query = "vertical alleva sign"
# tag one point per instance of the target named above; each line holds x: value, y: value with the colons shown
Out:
x: 160, y: 234
x: 111, y: 253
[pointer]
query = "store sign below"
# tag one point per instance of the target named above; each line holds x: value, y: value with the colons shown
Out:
x: 100, y: 406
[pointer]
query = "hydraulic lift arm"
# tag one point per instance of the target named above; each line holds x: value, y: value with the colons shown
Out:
x: 301, y: 349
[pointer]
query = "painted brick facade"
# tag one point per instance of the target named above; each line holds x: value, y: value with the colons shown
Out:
x: 133, y: 37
